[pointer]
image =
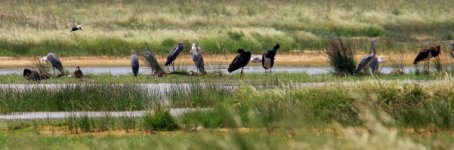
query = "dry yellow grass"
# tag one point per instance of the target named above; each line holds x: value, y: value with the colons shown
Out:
x: 308, y: 59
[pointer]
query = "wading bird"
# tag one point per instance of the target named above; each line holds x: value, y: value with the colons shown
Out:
x: 375, y: 64
x: 134, y: 63
x: 452, y: 49
x: 366, y: 60
x: 153, y: 63
x: 241, y: 59
x: 55, y: 62
x: 78, y: 73
x: 197, y: 58
x: 31, y: 75
x: 426, y: 54
x: 268, y: 58
x: 174, y: 54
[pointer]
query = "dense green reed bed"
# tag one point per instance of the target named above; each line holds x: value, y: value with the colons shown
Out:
x: 249, y: 78
x: 34, y: 28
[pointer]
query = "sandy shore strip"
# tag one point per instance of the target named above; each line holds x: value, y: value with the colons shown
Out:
x: 307, y: 59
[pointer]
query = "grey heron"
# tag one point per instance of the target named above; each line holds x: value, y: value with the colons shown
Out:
x: 426, y: 54
x: 55, y: 62
x: 375, y: 64
x: 78, y: 73
x: 241, y: 59
x: 174, y: 54
x: 366, y: 60
x: 134, y: 63
x: 31, y: 74
x: 197, y: 58
x: 268, y: 58
x: 153, y: 63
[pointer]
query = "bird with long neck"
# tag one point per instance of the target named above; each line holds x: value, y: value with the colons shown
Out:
x: 268, y: 58
x: 366, y: 60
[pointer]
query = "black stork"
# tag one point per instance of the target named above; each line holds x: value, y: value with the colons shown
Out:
x: 426, y: 54
x: 241, y: 59
x: 366, y: 60
x: 268, y: 58
x: 78, y: 73
x: 31, y: 74
x: 174, y: 54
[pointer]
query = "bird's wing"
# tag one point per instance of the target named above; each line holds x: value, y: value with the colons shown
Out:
x: 374, y: 64
x: 235, y: 63
x: 263, y: 58
x: 421, y: 56
x: 363, y: 63
x: 198, y: 60
x: 172, y: 56
x: 53, y: 59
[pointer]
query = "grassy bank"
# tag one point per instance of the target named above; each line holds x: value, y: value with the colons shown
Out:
x: 368, y: 115
x: 32, y: 28
x: 249, y: 78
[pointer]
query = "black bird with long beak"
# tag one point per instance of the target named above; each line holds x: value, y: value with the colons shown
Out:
x: 452, y: 49
x: 268, y: 58
x: 78, y: 73
x: 426, y: 54
x: 241, y: 59
x: 174, y: 54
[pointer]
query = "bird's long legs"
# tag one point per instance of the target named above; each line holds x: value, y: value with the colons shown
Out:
x: 241, y: 74
x: 173, y: 67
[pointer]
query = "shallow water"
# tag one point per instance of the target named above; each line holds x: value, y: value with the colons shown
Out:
x: 59, y: 115
x: 209, y: 68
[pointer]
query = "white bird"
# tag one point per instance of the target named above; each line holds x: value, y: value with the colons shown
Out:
x: 256, y: 59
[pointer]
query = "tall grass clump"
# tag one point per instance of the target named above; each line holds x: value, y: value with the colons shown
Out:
x: 198, y: 95
x: 341, y: 56
x: 159, y: 120
x: 83, y: 97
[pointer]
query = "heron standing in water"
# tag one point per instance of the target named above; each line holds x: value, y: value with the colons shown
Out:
x: 197, y: 58
x: 366, y: 60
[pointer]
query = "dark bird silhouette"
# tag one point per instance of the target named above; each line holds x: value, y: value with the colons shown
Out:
x: 153, y: 63
x: 426, y: 54
x: 452, y: 49
x: 55, y: 62
x: 197, y: 58
x: 134, y: 63
x: 268, y: 58
x: 241, y: 59
x: 78, y: 73
x: 174, y: 54
x: 31, y: 74
x: 366, y: 60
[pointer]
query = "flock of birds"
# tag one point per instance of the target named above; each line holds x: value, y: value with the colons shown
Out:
x: 241, y: 60
x: 368, y: 63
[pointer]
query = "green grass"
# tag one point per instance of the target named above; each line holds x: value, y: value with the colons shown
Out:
x: 249, y: 78
x: 333, y: 115
x: 32, y: 28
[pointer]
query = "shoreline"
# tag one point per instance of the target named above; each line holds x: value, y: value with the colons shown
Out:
x: 307, y: 59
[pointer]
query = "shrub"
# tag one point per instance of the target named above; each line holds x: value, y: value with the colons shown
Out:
x: 341, y: 56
